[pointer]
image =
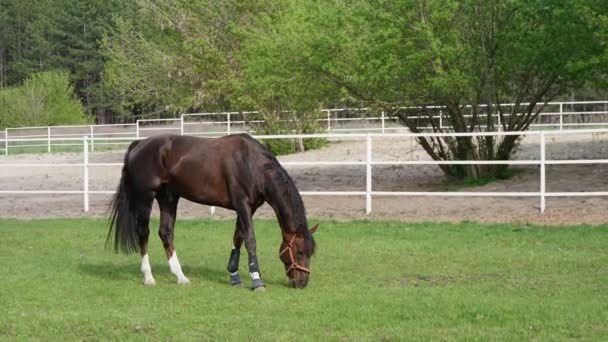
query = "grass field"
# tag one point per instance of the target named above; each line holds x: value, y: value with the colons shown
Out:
x: 370, y: 281
x: 66, y: 146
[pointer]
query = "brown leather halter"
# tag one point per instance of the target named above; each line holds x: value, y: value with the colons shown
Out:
x: 294, y: 265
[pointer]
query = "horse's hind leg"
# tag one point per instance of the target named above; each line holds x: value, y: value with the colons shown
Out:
x: 235, y: 254
x: 143, y: 229
x: 167, y: 204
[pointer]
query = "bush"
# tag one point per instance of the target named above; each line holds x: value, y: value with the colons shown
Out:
x: 44, y: 99
x: 314, y: 143
x: 275, y: 123
x: 280, y: 147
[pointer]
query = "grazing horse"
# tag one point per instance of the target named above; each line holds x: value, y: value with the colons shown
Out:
x: 234, y: 172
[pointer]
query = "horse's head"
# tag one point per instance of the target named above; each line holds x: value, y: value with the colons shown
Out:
x: 295, y: 252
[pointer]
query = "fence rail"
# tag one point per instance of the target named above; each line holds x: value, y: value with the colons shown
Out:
x: 48, y: 138
x: 369, y: 164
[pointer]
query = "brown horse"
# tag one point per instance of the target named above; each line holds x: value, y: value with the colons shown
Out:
x: 234, y: 172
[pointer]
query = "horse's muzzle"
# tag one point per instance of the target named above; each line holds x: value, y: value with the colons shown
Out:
x: 298, y: 283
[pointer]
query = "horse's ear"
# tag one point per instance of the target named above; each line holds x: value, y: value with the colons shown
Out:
x: 314, y: 228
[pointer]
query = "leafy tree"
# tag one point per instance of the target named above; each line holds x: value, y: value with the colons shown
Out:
x: 45, y: 98
x: 470, y: 55
x: 178, y: 56
x: 58, y: 35
x: 16, y: 40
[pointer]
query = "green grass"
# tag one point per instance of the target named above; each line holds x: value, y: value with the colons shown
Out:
x: 59, y: 147
x: 370, y: 281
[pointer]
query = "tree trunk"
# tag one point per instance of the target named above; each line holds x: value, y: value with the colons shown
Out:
x: 463, y: 148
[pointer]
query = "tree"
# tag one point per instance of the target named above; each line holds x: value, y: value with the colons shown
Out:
x: 179, y: 56
x: 470, y: 55
x: 17, y: 18
x: 44, y: 99
x: 51, y: 35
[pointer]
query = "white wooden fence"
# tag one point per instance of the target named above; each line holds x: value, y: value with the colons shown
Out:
x: 557, y: 115
x: 369, y: 163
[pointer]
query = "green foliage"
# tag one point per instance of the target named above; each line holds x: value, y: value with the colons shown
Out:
x: 288, y: 146
x: 178, y: 56
x: 288, y: 122
x: 283, y: 54
x: 46, y: 98
x: 471, y: 182
x: 280, y: 147
x: 59, y: 35
x: 455, y: 282
x: 410, y: 52
x: 127, y: 59
x: 314, y: 143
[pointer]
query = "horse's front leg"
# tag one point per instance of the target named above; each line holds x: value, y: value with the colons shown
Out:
x: 245, y: 218
x: 235, y: 254
x: 168, y: 212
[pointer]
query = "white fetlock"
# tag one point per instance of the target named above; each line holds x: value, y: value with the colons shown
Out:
x: 147, y: 271
x: 176, y: 269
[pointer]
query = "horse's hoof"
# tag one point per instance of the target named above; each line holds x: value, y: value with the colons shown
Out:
x: 260, y: 289
x: 150, y: 282
x: 237, y: 285
x: 257, y: 284
x: 183, y: 281
x: 235, y: 280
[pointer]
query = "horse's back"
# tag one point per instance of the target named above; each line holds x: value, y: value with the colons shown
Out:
x: 203, y: 170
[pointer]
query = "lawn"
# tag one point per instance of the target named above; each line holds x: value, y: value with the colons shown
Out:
x: 66, y: 146
x: 370, y: 281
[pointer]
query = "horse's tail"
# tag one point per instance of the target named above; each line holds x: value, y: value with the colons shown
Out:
x: 124, y: 213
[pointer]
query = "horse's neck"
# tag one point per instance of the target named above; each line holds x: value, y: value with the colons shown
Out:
x: 281, y: 209
x: 284, y: 207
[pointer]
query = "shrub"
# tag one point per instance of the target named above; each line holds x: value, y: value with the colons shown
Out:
x: 44, y: 99
x: 275, y: 123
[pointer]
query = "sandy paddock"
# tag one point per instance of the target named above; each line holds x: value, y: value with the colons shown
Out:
x: 571, y: 210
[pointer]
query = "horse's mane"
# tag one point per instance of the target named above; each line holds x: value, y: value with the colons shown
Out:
x: 280, y: 176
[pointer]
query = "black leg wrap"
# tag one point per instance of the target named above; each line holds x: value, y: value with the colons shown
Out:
x: 253, y: 264
x: 233, y: 262
x: 253, y: 267
x: 235, y: 279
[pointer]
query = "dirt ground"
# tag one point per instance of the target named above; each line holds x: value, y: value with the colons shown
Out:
x: 571, y: 210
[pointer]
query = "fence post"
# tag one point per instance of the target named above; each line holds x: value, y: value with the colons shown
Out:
x: 368, y: 181
x: 561, y: 116
x: 92, y: 138
x: 48, y: 136
x: 6, y: 141
x: 499, y: 122
x: 382, y: 116
x: 228, y: 123
x: 181, y: 125
x: 85, y: 172
x: 440, y: 118
x: 137, y: 129
x: 328, y: 121
x: 542, y: 172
